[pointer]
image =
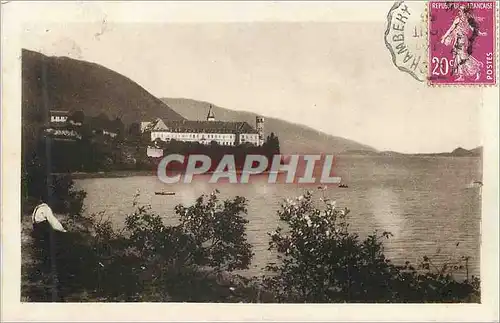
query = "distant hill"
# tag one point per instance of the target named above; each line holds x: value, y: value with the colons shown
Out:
x: 461, y: 152
x: 78, y: 85
x: 294, y: 138
x: 478, y: 151
x: 458, y: 152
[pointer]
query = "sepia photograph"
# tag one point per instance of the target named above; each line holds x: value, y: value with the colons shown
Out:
x: 265, y: 161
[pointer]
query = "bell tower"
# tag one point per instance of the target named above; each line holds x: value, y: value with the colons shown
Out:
x: 259, y: 125
x: 210, y: 115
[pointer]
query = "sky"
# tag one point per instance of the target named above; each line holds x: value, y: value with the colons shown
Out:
x: 336, y: 77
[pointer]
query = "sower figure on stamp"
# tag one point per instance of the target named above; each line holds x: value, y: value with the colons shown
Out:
x: 461, y: 36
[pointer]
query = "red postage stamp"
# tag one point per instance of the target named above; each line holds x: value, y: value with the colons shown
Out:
x: 462, y: 47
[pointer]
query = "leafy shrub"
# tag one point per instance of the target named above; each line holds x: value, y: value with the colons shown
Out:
x: 147, y: 260
x: 218, y: 231
x: 319, y: 260
x: 210, y: 237
x: 64, y: 198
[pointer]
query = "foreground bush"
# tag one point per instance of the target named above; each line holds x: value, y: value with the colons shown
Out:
x: 320, y: 260
x: 147, y: 260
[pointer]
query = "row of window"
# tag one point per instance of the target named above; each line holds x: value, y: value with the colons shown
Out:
x: 222, y: 139
x: 66, y: 133
x: 193, y: 135
x: 223, y: 143
x: 58, y: 118
x: 251, y: 136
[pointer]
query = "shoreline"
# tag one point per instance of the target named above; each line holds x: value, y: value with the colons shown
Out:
x: 122, y: 173
x: 136, y: 173
x: 110, y: 174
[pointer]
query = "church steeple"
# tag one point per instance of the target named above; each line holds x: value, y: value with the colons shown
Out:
x: 210, y: 116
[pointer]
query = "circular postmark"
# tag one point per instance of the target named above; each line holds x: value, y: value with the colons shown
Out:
x: 406, y: 37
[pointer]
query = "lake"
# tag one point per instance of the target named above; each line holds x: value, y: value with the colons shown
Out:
x: 424, y: 201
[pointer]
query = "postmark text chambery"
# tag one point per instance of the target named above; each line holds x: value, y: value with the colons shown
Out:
x: 405, y: 37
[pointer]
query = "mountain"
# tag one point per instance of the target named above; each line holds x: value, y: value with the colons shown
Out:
x: 74, y: 85
x: 294, y: 138
x: 461, y: 152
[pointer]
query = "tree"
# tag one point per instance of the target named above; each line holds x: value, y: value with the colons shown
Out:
x: 218, y: 230
x: 211, y: 233
x: 319, y: 260
x: 174, y: 262
x: 148, y: 260
x: 134, y: 130
x: 272, y: 145
x: 77, y: 117
x: 117, y: 127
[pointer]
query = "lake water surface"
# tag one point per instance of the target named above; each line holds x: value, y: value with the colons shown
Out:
x: 424, y: 201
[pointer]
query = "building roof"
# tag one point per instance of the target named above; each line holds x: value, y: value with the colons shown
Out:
x: 195, y: 126
x: 59, y: 113
x: 145, y: 125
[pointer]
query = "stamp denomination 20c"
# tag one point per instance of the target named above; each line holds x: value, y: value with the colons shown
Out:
x: 462, y: 43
